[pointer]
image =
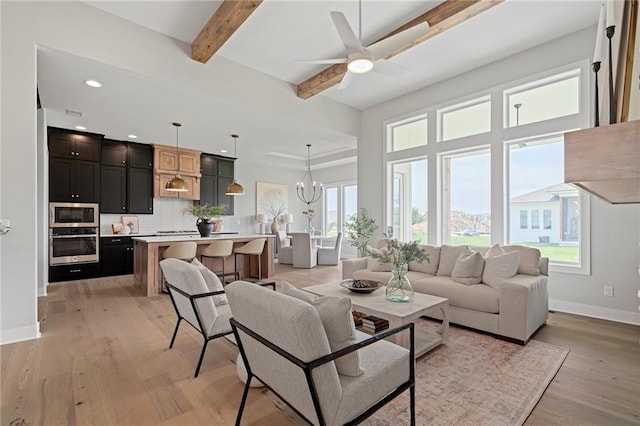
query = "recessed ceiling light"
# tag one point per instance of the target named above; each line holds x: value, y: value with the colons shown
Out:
x: 132, y: 136
x: 81, y: 128
x: 93, y: 83
x: 224, y: 151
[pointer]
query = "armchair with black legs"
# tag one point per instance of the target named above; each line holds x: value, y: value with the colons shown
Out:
x: 284, y: 343
x: 199, y: 304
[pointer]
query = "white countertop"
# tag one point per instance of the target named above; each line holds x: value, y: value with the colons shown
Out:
x: 168, y: 238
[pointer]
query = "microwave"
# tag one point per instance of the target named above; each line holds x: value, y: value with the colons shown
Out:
x: 72, y: 215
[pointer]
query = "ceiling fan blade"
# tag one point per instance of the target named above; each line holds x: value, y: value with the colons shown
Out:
x: 323, y: 61
x: 384, y: 66
x: 386, y: 47
x: 345, y: 32
x: 346, y: 80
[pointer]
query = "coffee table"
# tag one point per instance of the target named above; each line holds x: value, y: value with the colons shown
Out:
x: 396, y: 313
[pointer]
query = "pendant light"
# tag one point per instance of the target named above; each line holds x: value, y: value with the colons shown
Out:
x: 177, y: 184
x: 314, y: 192
x: 234, y: 187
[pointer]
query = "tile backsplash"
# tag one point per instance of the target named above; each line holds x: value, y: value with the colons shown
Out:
x: 167, y: 216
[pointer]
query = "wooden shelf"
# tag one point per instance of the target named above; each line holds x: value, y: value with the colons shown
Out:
x: 605, y: 161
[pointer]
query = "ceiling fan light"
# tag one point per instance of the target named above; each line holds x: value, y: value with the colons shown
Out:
x: 360, y: 65
x: 234, y: 188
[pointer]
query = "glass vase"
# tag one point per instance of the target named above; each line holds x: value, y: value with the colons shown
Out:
x: 309, y: 229
x: 399, y: 288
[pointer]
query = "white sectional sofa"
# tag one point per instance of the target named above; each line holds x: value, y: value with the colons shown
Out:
x: 510, y: 299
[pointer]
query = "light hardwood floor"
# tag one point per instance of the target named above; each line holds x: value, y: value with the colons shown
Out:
x: 103, y: 359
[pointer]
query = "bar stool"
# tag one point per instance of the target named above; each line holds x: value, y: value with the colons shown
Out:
x: 184, y: 251
x: 219, y: 250
x: 252, y: 248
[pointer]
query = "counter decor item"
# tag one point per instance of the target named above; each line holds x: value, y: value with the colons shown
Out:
x: 204, y: 215
x: 399, y: 254
x: 361, y: 286
x: 132, y: 223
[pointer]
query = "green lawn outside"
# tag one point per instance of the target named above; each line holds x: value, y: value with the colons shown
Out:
x: 554, y: 252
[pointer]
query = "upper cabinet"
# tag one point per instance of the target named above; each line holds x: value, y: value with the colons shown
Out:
x: 65, y: 143
x: 217, y: 174
x: 170, y: 161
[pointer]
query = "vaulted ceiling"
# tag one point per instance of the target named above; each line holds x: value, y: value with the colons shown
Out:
x: 270, y: 35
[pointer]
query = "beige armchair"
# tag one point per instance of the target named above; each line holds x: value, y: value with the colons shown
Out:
x: 283, y: 343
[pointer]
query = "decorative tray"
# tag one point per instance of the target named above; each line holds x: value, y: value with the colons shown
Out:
x: 361, y: 286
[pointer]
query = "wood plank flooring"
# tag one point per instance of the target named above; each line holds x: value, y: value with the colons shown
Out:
x: 103, y: 359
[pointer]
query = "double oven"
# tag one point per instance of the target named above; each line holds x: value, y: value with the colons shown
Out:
x: 74, y: 235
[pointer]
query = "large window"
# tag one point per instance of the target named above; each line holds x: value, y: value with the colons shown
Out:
x: 466, y: 198
x: 340, y: 203
x: 536, y: 183
x: 409, y: 216
x: 495, y: 181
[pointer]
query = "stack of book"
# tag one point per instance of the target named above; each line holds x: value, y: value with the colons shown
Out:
x: 373, y: 324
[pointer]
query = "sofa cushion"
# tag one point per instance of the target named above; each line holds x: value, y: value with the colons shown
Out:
x: 468, y: 267
x: 337, y: 320
x: 498, y: 268
x: 448, y: 257
x: 477, y: 297
x: 529, y: 259
x: 429, y: 266
x: 212, y: 281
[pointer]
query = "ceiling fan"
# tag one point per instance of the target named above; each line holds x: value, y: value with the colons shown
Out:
x: 360, y: 59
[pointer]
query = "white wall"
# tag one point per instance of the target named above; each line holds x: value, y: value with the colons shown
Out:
x: 614, y: 229
x: 79, y: 29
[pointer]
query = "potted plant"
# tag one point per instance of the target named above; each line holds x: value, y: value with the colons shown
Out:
x: 359, y: 228
x: 204, y: 213
x: 399, y: 254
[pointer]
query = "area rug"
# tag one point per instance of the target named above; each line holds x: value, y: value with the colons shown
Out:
x: 476, y: 379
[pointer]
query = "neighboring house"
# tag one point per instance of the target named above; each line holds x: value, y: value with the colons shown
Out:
x: 548, y: 215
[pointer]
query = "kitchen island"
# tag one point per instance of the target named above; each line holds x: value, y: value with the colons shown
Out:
x: 147, y: 254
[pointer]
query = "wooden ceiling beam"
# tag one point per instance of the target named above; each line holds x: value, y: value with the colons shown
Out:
x: 221, y: 26
x: 442, y: 17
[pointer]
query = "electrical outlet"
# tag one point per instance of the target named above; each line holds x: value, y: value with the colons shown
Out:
x: 608, y: 290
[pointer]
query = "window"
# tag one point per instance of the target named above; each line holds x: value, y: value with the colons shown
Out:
x: 409, y: 216
x: 536, y: 183
x: 535, y: 219
x: 466, y: 198
x: 409, y: 134
x: 523, y: 219
x: 340, y: 203
x: 546, y: 218
x: 466, y: 119
x: 543, y: 99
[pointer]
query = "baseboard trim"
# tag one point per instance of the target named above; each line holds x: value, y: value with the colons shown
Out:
x: 20, y: 334
x: 592, y: 311
x: 42, y: 291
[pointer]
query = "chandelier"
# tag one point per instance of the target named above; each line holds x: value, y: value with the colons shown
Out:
x: 313, y: 192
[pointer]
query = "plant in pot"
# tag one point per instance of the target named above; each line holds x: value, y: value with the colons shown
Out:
x: 359, y: 228
x: 204, y: 213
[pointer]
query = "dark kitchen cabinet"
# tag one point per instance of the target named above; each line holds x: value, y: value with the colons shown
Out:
x: 74, y: 180
x: 113, y: 191
x: 140, y: 156
x: 113, y: 153
x: 140, y: 193
x: 217, y: 174
x: 73, y: 272
x: 69, y: 144
x: 116, y: 256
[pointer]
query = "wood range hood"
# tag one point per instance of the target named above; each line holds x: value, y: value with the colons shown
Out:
x: 605, y: 161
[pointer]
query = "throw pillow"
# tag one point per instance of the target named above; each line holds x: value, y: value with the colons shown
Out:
x: 448, y: 257
x: 529, y: 259
x: 212, y: 281
x: 468, y: 267
x: 500, y: 267
x: 430, y: 266
x: 494, y: 250
x: 337, y: 320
